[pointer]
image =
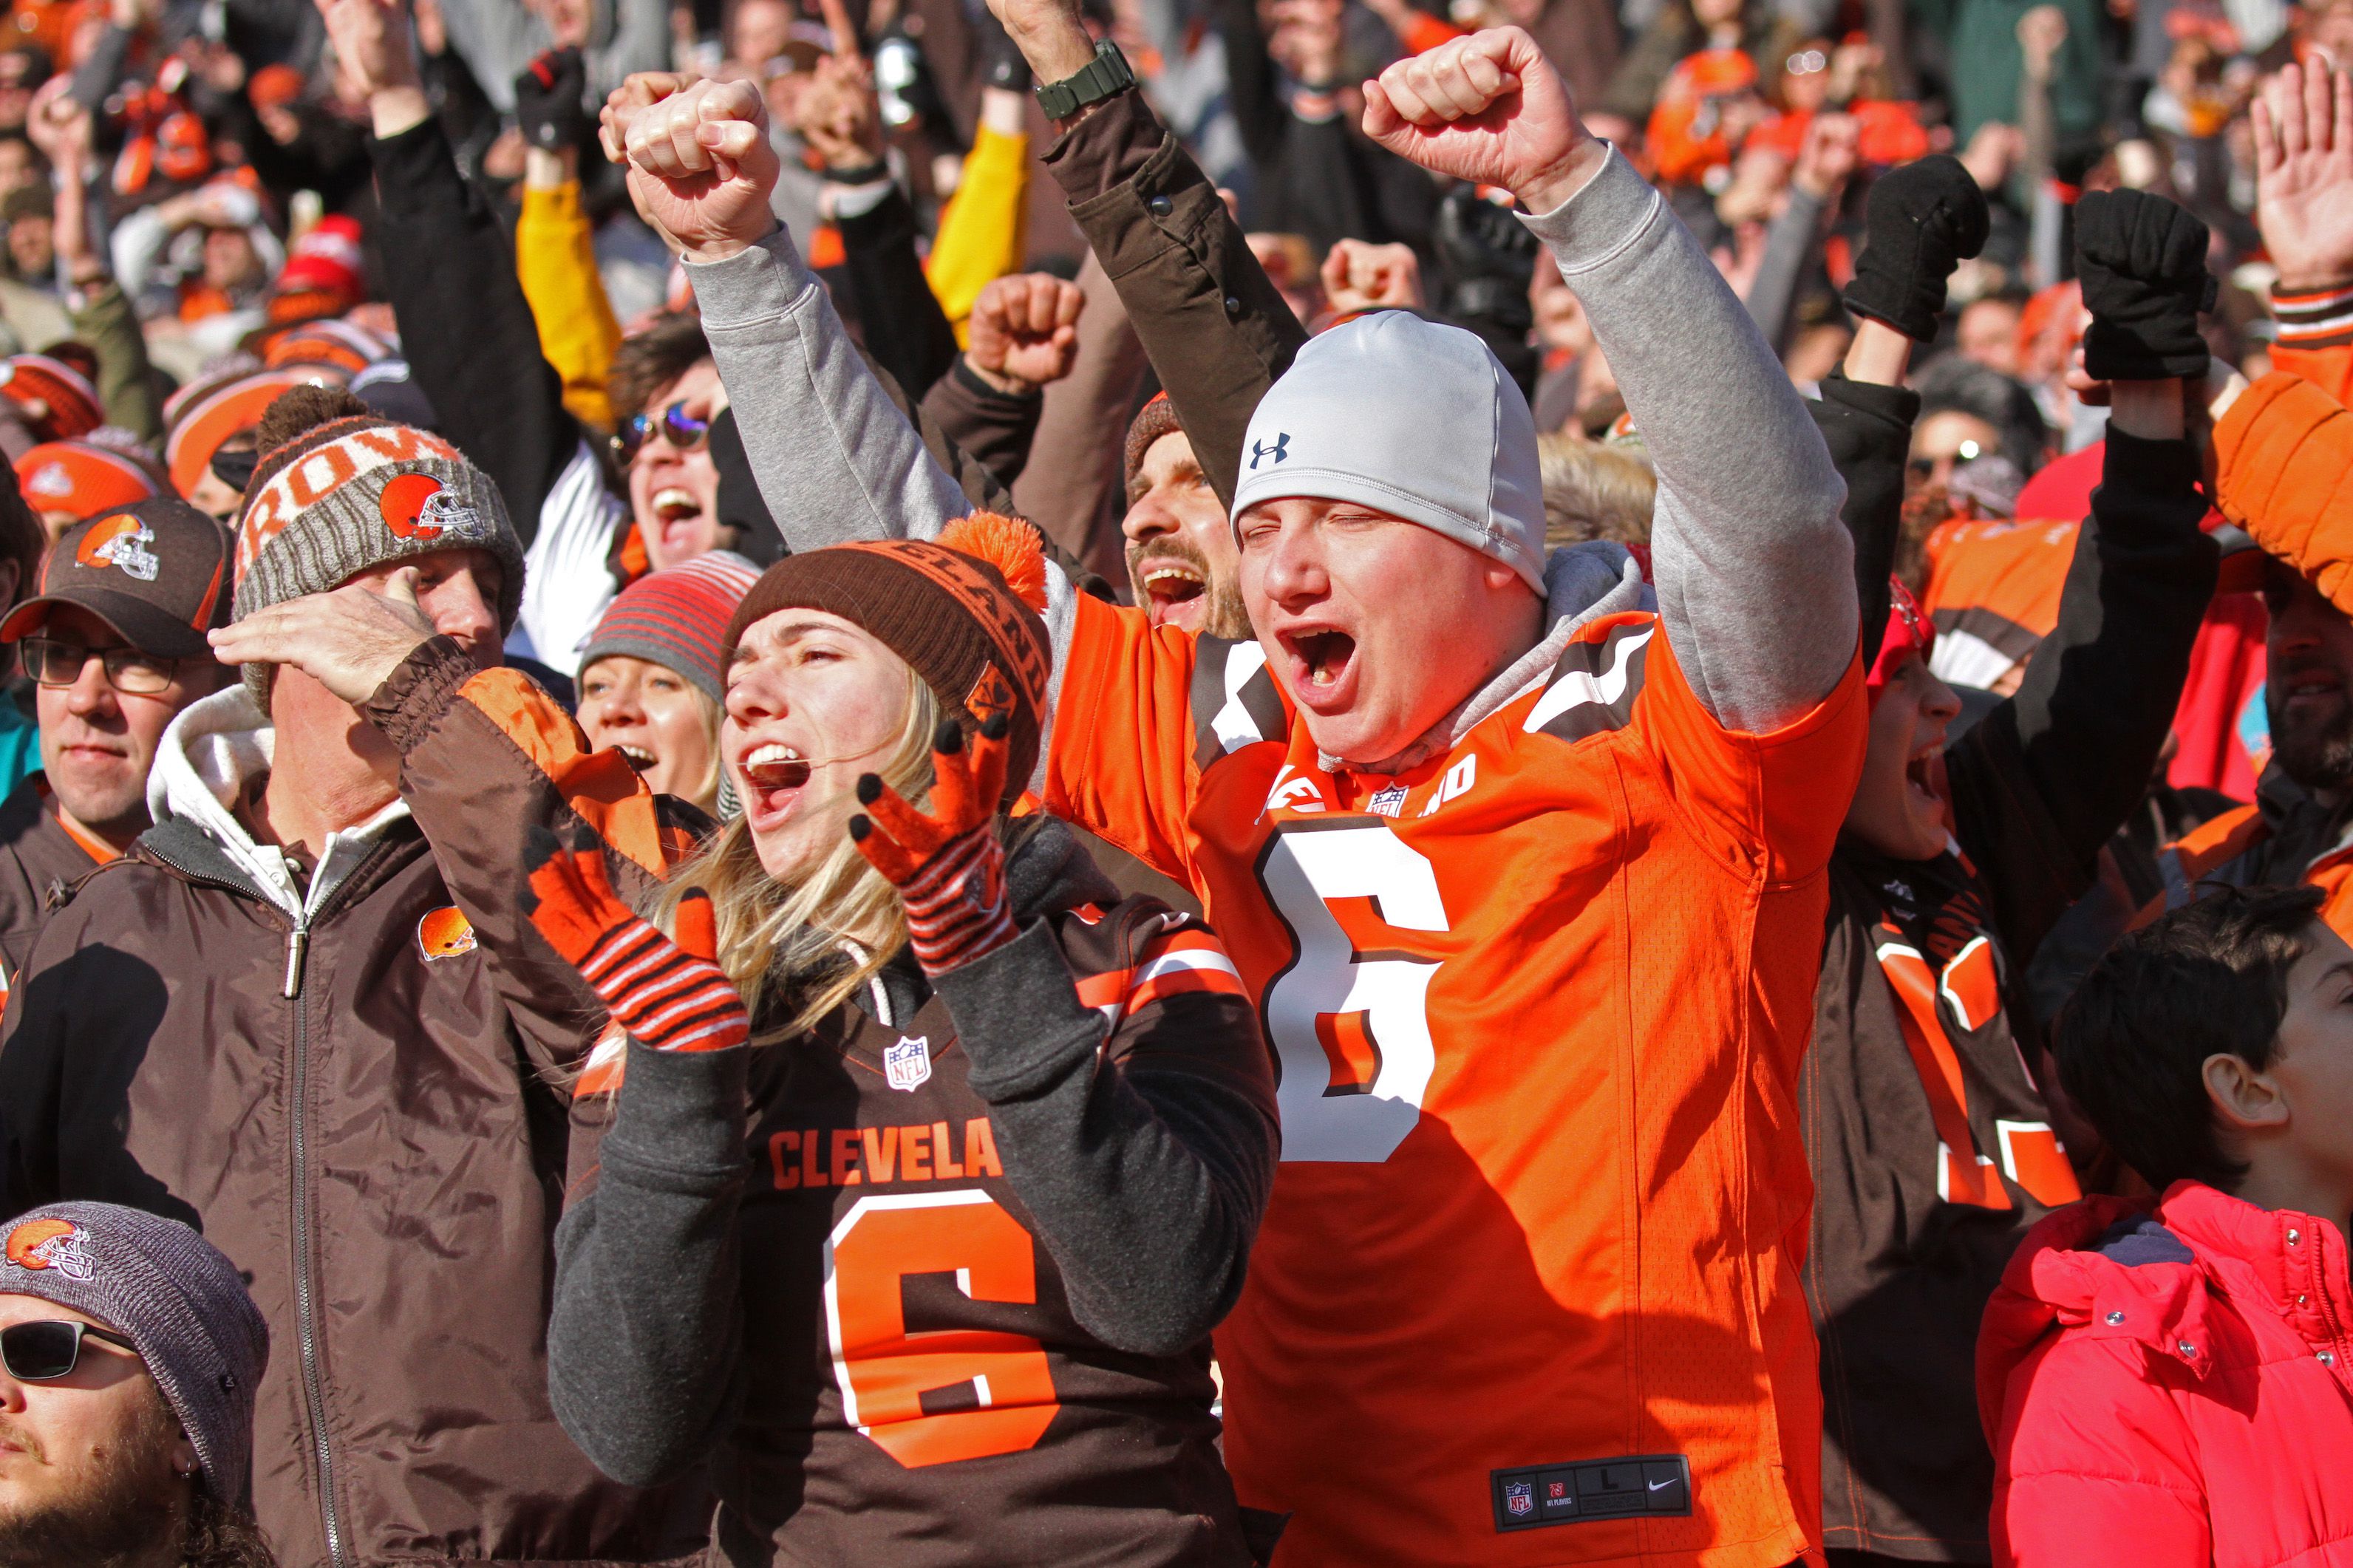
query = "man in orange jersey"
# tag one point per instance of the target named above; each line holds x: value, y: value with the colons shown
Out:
x: 1523, y: 866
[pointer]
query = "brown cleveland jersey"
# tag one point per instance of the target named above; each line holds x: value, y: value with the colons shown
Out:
x: 918, y: 1390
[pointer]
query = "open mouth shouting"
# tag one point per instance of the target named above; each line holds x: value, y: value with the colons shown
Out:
x: 774, y: 775
x: 1323, y: 666
x: 1924, y: 776
x: 1175, y: 592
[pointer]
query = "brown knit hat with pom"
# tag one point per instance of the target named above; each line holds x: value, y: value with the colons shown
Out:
x: 963, y: 609
x: 338, y: 489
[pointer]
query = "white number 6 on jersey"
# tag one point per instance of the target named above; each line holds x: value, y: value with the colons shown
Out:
x: 1351, y: 1031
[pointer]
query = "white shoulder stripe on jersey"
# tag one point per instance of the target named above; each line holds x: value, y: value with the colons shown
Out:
x: 1233, y: 726
x: 1190, y: 958
x: 1577, y: 689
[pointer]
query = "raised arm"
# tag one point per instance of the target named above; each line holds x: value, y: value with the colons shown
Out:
x: 835, y: 458
x: 1924, y: 219
x: 2081, y: 738
x: 1217, y: 332
x: 465, y: 326
x: 1753, y: 568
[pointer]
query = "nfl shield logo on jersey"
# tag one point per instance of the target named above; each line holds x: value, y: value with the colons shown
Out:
x: 908, y: 1064
x: 1520, y: 1498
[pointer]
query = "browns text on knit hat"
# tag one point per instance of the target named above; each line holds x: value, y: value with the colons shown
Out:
x: 964, y: 610
x: 675, y: 617
x: 1154, y: 420
x: 173, y: 1294
x: 338, y: 491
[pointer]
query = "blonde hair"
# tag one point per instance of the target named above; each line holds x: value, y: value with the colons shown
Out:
x: 1593, y: 491
x: 782, y: 941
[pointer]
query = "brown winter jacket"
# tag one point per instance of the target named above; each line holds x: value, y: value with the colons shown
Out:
x: 356, y: 1094
x: 39, y: 861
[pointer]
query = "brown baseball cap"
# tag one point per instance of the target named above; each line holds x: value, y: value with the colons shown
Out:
x: 158, y: 572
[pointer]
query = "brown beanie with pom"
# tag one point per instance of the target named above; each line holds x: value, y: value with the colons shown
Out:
x: 964, y: 610
x: 338, y: 489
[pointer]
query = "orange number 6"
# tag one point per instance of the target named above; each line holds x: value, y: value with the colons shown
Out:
x: 884, y: 1372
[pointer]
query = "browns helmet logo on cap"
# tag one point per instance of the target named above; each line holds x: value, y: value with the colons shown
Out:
x: 56, y: 1244
x: 418, y: 506
x: 120, y: 542
x: 444, y: 932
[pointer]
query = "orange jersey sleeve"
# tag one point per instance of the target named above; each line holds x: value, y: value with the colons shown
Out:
x: 2315, y: 338
x: 1755, y: 799
x: 1141, y: 714
x: 2284, y: 451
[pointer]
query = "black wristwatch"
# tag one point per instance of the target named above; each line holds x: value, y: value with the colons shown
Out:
x: 1106, y: 76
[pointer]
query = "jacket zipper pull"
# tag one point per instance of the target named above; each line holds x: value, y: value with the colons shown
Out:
x: 298, y: 944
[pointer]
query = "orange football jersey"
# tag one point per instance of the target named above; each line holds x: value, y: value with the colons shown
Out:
x: 1527, y: 1289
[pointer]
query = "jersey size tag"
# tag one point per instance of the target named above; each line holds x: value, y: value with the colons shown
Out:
x: 1589, y: 1491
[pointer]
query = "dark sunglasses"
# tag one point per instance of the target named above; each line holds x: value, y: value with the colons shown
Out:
x: 47, y: 1349
x: 678, y: 427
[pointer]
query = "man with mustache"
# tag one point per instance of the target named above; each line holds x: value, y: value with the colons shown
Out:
x: 1180, y: 549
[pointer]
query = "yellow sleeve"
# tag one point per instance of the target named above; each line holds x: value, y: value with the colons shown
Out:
x: 980, y: 234
x: 557, y: 262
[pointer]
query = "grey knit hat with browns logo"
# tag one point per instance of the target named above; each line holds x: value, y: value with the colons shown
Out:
x: 338, y: 489
x: 173, y: 1294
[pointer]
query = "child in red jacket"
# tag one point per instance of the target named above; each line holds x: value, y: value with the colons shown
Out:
x: 2173, y: 1384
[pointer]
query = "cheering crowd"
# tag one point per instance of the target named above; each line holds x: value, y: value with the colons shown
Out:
x: 1180, y: 782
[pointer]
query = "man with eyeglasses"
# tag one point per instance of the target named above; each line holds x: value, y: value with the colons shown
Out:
x: 114, y: 641
x: 129, y: 1351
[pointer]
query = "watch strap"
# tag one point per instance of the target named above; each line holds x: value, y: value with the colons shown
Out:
x: 1103, y: 77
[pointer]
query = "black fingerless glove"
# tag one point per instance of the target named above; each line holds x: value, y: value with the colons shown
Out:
x: 2142, y: 262
x: 548, y: 100
x: 1923, y: 220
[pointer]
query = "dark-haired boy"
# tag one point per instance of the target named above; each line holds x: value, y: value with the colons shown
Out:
x: 2181, y: 1376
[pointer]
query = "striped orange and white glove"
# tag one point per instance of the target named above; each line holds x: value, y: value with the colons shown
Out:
x: 667, y: 994
x: 948, y: 867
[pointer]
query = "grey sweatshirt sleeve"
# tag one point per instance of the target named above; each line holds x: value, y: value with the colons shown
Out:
x: 642, y: 1372
x: 1788, y: 244
x: 1753, y: 568
x: 835, y: 460
x: 1145, y: 1169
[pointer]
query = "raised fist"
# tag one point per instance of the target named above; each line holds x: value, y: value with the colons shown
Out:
x: 701, y: 167
x: 1923, y: 220
x: 1489, y: 109
x: 2142, y: 261
x: 1361, y: 276
x: 548, y: 94
x: 1025, y: 331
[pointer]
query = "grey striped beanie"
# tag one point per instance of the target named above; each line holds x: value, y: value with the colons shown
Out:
x: 332, y: 498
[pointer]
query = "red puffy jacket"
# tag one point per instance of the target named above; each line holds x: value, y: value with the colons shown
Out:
x: 2175, y: 1388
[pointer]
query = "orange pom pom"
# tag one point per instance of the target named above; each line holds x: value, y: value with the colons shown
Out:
x: 1009, y: 545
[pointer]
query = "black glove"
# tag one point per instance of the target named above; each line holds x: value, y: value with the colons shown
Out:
x: 1923, y: 220
x: 1001, y: 60
x: 2142, y: 261
x: 1485, y: 258
x: 548, y: 106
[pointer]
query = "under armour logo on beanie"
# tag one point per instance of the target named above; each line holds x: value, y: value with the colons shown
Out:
x: 1411, y: 418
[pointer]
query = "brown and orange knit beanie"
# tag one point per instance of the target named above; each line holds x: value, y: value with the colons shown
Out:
x: 338, y: 489
x: 1154, y: 420
x: 966, y: 610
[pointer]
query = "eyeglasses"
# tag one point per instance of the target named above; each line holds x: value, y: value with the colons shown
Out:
x: 48, y: 1348
x: 1806, y: 62
x: 54, y: 664
x: 680, y: 428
